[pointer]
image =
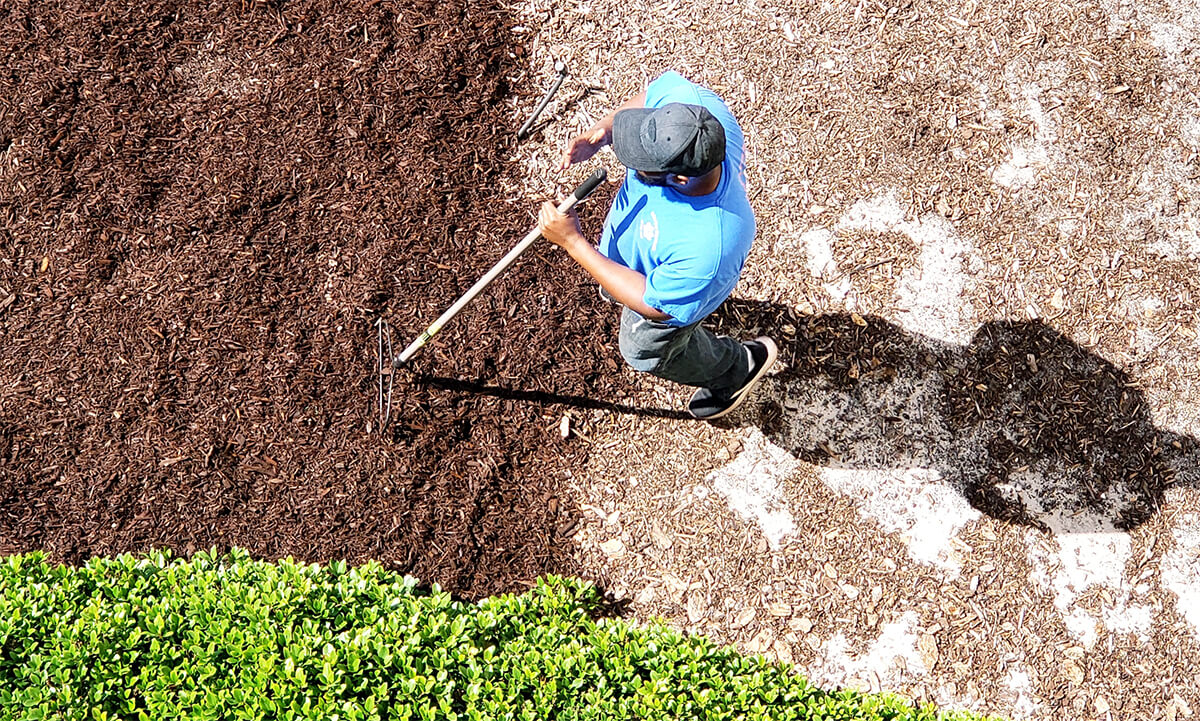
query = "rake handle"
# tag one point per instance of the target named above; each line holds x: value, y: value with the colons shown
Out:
x: 584, y: 190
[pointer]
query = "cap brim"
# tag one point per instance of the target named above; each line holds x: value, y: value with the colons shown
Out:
x: 627, y: 141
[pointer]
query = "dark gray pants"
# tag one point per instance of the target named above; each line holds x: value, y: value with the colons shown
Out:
x: 689, y: 355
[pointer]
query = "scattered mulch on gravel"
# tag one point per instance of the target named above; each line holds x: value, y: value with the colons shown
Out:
x: 1025, y: 175
x: 202, y: 214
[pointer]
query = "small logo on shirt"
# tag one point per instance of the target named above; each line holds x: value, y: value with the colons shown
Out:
x: 648, y: 229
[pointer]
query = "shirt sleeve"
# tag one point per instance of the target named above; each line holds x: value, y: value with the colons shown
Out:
x: 679, y: 288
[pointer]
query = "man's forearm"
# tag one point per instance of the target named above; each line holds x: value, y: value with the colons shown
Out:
x: 637, y: 101
x: 626, y: 285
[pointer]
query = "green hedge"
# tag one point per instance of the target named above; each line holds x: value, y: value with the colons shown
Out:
x: 227, y: 637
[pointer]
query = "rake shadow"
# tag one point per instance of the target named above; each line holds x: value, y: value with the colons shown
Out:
x: 547, y: 399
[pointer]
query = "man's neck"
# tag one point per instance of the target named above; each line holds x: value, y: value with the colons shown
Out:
x: 703, y: 185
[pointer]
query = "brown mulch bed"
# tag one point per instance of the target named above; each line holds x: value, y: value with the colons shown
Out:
x: 202, y: 214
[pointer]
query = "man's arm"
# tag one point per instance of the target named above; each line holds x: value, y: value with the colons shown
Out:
x: 587, y: 144
x: 626, y: 285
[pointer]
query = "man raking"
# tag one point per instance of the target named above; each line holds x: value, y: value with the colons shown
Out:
x: 675, y: 239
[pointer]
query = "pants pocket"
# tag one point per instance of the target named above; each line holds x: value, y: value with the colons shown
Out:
x: 644, y: 342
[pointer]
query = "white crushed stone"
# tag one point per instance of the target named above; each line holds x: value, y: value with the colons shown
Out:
x: 1082, y: 627
x: 1167, y: 227
x: 1172, y: 28
x: 752, y: 483
x: 1171, y: 38
x: 1068, y: 227
x: 834, y: 667
x: 1028, y: 159
x: 1190, y: 128
x: 1146, y: 341
x: 1024, y: 706
x: 1151, y: 304
x: 913, y: 502
x: 1020, y: 171
x: 1180, y: 569
x: 929, y: 294
x: 1048, y: 490
x: 820, y: 253
x: 1045, y: 134
x: 1179, y: 422
x: 1082, y: 560
x: 846, y: 422
x: 822, y: 264
x: 1137, y: 620
x: 891, y: 474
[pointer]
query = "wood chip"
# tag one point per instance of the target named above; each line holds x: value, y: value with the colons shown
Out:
x: 614, y: 548
x: 660, y: 537
x: 927, y: 648
x: 675, y: 587
x: 1178, y: 707
x: 762, y: 641
x: 744, y: 617
x: 783, y: 651
x: 697, y: 607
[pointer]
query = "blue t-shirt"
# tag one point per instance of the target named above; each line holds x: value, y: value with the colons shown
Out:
x: 691, y: 250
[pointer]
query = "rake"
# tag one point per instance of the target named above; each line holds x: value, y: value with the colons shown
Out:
x: 386, y: 362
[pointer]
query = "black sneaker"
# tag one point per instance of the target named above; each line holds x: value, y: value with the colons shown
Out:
x: 706, y: 405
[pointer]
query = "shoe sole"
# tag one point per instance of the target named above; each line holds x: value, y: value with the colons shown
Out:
x: 740, y: 396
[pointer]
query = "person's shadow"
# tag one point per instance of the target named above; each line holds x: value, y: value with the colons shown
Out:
x: 1027, y: 425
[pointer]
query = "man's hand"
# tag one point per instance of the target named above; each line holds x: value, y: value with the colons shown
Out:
x: 562, y: 229
x: 586, y: 145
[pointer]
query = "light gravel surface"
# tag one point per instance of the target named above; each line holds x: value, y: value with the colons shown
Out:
x: 1004, y: 189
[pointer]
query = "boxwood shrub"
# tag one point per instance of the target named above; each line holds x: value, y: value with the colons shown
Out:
x: 222, y: 636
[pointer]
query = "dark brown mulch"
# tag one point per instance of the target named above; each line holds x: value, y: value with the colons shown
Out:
x: 202, y: 212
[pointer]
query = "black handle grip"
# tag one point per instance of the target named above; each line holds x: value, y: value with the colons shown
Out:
x: 593, y: 181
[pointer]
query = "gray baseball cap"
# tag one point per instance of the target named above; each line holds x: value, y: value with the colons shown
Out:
x: 676, y: 138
